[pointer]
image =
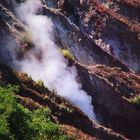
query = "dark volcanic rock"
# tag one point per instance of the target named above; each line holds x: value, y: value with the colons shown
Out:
x: 129, y: 8
x: 79, y: 44
x: 10, y: 32
x: 121, y: 34
x: 110, y: 89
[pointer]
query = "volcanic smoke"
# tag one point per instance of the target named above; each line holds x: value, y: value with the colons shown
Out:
x: 52, y: 67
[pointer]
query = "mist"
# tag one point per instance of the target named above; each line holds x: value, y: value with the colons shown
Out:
x: 51, y: 67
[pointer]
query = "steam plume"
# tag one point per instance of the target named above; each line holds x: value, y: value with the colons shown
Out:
x: 51, y: 67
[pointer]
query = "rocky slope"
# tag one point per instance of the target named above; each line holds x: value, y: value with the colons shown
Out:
x: 112, y: 91
x: 105, y: 42
x: 33, y: 96
x: 114, y: 31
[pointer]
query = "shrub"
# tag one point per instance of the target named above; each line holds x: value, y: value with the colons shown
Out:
x: 67, y: 54
x: 26, y: 39
x: 39, y: 83
x: 18, y: 123
x: 136, y: 100
x: 7, y: 104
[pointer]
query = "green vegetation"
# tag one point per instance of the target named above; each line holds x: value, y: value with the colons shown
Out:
x: 18, y: 123
x: 26, y: 39
x: 39, y: 83
x: 136, y: 100
x: 67, y: 54
x: 65, y: 108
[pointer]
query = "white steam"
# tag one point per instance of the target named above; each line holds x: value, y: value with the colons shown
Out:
x: 51, y: 67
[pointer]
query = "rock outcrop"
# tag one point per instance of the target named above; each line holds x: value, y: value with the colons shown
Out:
x: 111, y: 91
x: 113, y: 28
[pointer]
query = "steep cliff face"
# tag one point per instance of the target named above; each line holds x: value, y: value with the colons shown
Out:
x: 118, y: 35
x: 11, y: 30
x: 79, y: 44
x: 129, y: 8
x: 112, y: 90
x: 105, y: 45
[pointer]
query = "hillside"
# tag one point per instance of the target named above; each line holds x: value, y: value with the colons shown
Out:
x: 69, y: 69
